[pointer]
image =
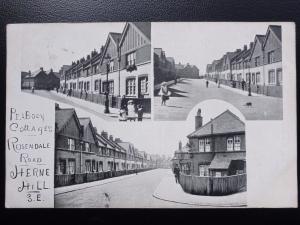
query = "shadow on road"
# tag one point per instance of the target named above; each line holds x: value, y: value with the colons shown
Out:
x: 176, y: 93
x: 174, y: 106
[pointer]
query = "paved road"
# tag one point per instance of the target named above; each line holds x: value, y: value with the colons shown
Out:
x: 132, y: 192
x: 189, y: 92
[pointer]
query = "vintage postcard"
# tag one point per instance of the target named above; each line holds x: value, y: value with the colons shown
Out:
x: 151, y: 115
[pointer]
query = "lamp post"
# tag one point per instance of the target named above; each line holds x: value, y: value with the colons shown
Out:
x: 106, y: 110
x: 249, y: 80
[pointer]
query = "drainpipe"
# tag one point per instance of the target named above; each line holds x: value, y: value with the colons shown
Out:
x: 119, y: 66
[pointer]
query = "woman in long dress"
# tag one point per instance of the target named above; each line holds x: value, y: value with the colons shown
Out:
x: 164, y: 93
x: 131, y: 111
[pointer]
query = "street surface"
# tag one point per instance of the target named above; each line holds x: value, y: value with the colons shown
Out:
x: 128, y: 192
x: 189, y: 92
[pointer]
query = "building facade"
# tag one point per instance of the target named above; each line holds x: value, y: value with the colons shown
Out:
x: 215, y: 149
x: 82, y: 154
x: 259, y: 65
x: 187, y: 71
x: 164, y: 67
x: 121, y: 67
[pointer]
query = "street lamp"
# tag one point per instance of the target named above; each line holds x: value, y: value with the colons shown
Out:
x: 249, y: 79
x: 106, y: 110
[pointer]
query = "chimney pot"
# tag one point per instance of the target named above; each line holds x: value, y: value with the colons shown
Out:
x: 104, y: 134
x: 111, y: 138
x: 41, y: 68
x: 245, y: 47
x: 180, y: 146
x: 198, y: 120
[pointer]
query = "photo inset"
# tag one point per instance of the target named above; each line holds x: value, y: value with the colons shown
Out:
x: 194, y: 62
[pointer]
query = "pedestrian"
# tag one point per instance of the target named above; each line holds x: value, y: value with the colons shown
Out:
x: 177, y: 173
x: 122, y: 115
x: 70, y: 92
x: 136, y: 171
x: 131, y: 111
x: 219, y: 83
x: 124, y: 104
x: 81, y: 93
x: 86, y: 94
x: 32, y: 89
x: 140, y: 112
x: 106, y: 200
x: 243, y: 84
x: 175, y: 80
x: 164, y: 93
x: 207, y: 83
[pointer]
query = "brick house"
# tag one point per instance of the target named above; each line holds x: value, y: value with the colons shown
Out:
x: 37, y: 79
x: 76, y: 146
x: 215, y: 149
x: 187, y: 71
x: 164, y: 67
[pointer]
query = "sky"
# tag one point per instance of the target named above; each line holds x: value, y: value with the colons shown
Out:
x: 159, y: 137
x: 201, y: 43
x: 57, y: 44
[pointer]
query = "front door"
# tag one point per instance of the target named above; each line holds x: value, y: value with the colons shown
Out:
x: 142, y: 86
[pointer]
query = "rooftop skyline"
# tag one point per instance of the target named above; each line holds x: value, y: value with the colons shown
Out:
x: 199, y: 43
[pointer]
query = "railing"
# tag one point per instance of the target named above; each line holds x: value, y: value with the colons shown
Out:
x: 212, y: 185
x: 114, y: 101
x: 269, y: 90
x: 71, y: 179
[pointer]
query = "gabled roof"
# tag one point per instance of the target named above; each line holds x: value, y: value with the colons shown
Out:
x: 158, y: 51
x: 127, y: 146
x: 85, y: 122
x: 115, y: 36
x: 144, y: 27
x: 104, y: 141
x: 62, y: 116
x: 35, y: 73
x: 171, y: 59
x: 276, y: 30
x: 258, y: 38
x: 226, y: 122
x: 179, y: 66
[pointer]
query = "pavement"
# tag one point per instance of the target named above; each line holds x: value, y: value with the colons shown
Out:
x: 96, y: 109
x: 177, y: 195
x: 150, y: 189
x: 187, y: 93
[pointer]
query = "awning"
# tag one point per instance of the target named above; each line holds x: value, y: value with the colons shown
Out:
x: 223, y: 160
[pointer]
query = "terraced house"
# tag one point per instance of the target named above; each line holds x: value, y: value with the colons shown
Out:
x: 259, y: 65
x: 83, y: 155
x: 121, y: 67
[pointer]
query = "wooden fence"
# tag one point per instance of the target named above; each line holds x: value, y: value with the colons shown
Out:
x: 212, y: 185
x: 70, y: 179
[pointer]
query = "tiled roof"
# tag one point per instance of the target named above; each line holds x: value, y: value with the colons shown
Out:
x: 171, y: 59
x: 226, y: 122
x: 277, y: 30
x: 144, y: 27
x: 223, y: 160
x: 35, y: 73
x: 104, y: 140
x: 62, y: 116
x: 179, y: 66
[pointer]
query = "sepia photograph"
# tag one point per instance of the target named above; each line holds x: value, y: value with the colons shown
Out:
x: 194, y: 62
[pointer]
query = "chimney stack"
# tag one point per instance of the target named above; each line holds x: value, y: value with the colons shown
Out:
x: 56, y: 106
x: 41, y: 68
x: 251, y: 45
x: 111, y: 138
x: 95, y: 129
x: 245, y: 47
x: 104, y: 134
x: 118, y: 140
x: 180, y: 146
x: 198, y: 120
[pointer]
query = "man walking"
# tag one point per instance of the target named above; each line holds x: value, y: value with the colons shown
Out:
x: 207, y: 83
x: 177, y: 173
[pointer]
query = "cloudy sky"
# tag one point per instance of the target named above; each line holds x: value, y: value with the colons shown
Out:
x: 53, y: 45
x: 201, y: 43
